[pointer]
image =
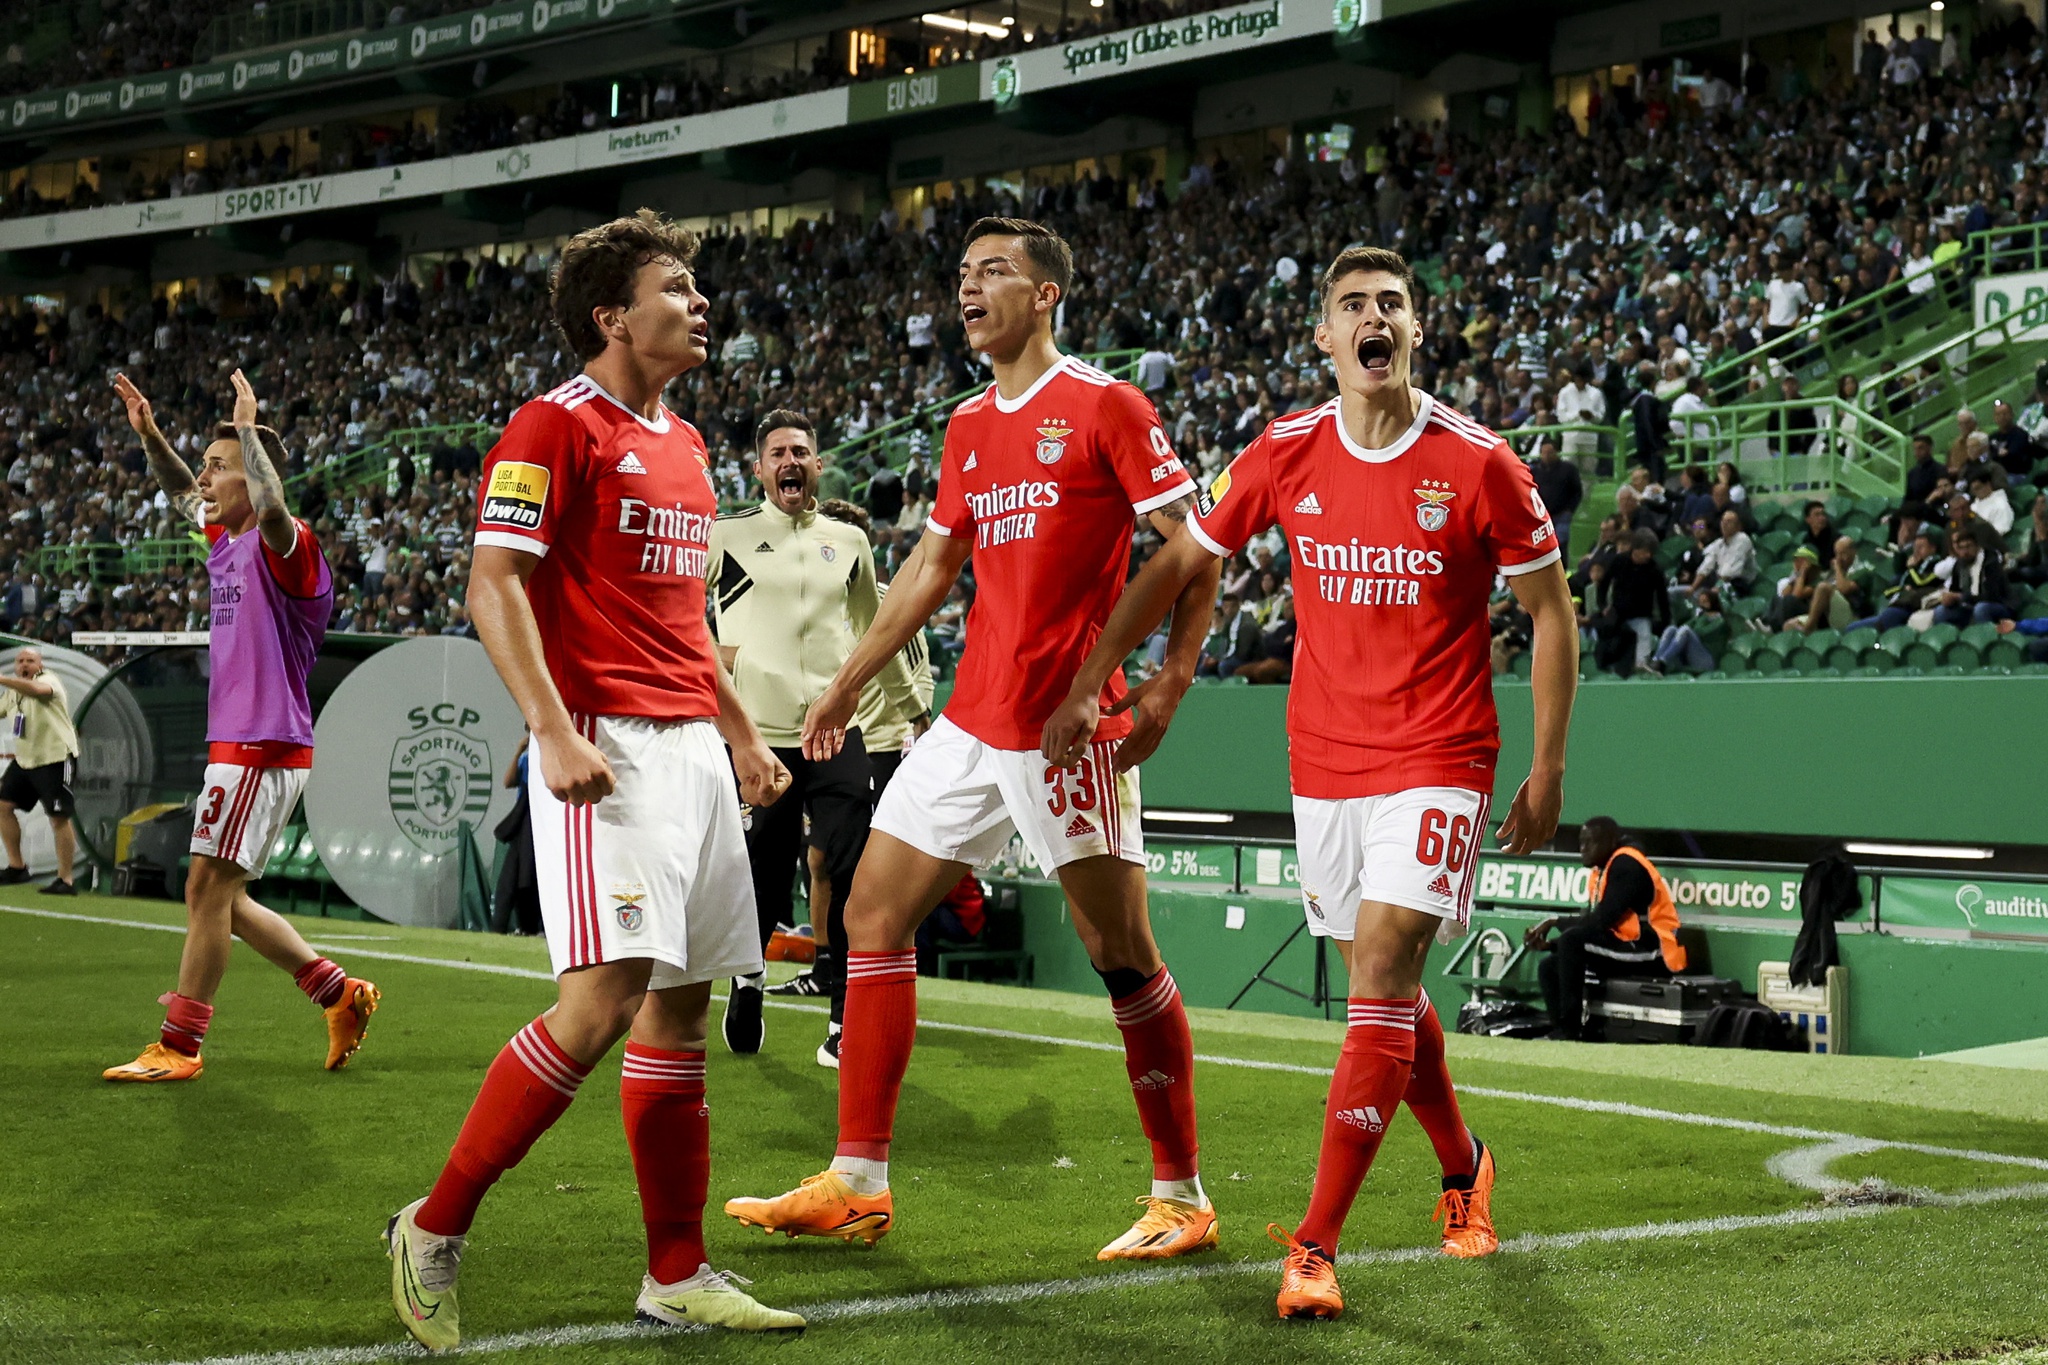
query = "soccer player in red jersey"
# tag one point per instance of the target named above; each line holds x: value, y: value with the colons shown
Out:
x: 587, y: 588
x: 1040, y: 480
x: 1398, y: 513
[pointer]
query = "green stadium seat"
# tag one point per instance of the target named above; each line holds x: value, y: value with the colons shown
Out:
x: 1909, y: 671
x: 1876, y: 539
x: 1897, y: 640
x: 1963, y: 655
x: 1681, y: 676
x: 2016, y: 539
x: 2005, y: 653
x: 1744, y: 644
x: 1784, y: 643
x: 1855, y: 524
x: 1827, y: 671
x: 1670, y: 548
x: 1767, y: 662
x: 1876, y: 507
x: 1877, y: 660
x: 1822, y: 640
x: 1843, y: 659
x: 1716, y: 675
x: 288, y: 841
x: 1522, y: 664
x: 1588, y: 670
x: 1994, y: 671
x: 1940, y: 636
x: 1947, y: 671
x: 1840, y: 507
x: 2033, y: 668
x: 1750, y: 608
x: 1860, y: 640
x: 1866, y: 671
x: 1983, y: 635
x: 1774, y: 543
x: 2023, y: 497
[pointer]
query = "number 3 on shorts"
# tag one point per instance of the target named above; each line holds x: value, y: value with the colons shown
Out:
x: 1444, y: 839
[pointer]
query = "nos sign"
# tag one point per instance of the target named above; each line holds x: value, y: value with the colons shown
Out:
x: 2021, y: 298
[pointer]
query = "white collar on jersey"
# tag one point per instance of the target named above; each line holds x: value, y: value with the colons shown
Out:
x: 658, y: 428
x: 1385, y: 453
x: 1012, y: 404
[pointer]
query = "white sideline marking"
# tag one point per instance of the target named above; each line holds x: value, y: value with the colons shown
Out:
x: 940, y: 1300
x: 1615, y: 1107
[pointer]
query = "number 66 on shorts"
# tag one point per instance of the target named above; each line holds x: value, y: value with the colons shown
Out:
x: 1417, y: 848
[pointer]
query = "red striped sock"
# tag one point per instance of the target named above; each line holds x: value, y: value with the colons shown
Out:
x: 1432, y: 1098
x: 668, y: 1128
x: 185, y: 1023
x: 874, y: 1048
x: 1159, y: 1054
x: 322, y: 981
x: 528, y: 1087
x: 1372, y: 1071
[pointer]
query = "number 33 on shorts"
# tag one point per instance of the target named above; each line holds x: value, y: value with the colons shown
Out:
x: 1091, y: 803
x: 1417, y: 848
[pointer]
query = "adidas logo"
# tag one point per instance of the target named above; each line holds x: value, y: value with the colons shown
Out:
x: 1441, y: 886
x: 1154, y: 1079
x: 1365, y: 1116
x: 764, y: 548
x: 1308, y: 506
x: 630, y: 465
x: 1080, y: 828
x: 973, y: 459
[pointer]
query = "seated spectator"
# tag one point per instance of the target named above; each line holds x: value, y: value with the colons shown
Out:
x: 2011, y: 446
x: 1959, y: 449
x: 1278, y: 647
x: 1795, y: 592
x: 1681, y: 646
x: 1820, y: 531
x: 1639, y: 605
x: 2035, y: 628
x: 1559, y: 485
x: 1600, y: 555
x: 1653, y: 505
x: 1695, y: 496
x: 2032, y: 566
x: 1976, y: 587
x: 1918, y: 583
x: 1847, y: 590
x: 1511, y: 629
x: 1627, y: 510
x: 1272, y: 596
x: 1904, y: 524
x: 1922, y: 473
x: 1234, y: 639
x: 1685, y: 574
x: 1988, y: 500
x: 1730, y: 562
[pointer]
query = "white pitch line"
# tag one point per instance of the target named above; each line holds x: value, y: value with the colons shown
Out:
x: 1616, y: 1107
x: 998, y: 1295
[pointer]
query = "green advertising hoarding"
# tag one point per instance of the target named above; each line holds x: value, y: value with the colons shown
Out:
x: 1958, y: 909
x: 1213, y: 865
x: 940, y: 89
x: 1700, y: 891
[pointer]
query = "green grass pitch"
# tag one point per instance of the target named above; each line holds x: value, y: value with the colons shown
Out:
x: 239, y: 1216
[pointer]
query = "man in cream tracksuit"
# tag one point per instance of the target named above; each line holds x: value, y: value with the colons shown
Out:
x: 792, y: 592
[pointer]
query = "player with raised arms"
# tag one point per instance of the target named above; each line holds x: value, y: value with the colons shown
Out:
x: 1040, y: 480
x: 587, y: 588
x: 272, y: 593
x: 1398, y: 512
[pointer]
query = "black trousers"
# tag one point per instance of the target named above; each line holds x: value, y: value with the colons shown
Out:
x: 1581, y: 948
x: 836, y: 793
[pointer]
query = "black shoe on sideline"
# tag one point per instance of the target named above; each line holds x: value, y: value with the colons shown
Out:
x: 60, y: 889
x: 743, y: 1018
x: 803, y: 984
x: 828, y: 1051
x: 13, y: 876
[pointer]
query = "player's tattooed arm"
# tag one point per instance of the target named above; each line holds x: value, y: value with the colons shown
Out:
x: 172, y: 474
x: 1170, y: 518
x: 266, y: 489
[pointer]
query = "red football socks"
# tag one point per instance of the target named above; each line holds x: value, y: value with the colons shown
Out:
x: 1159, y: 1054
x: 528, y: 1087
x: 1431, y: 1097
x: 669, y: 1129
x: 185, y: 1023
x: 874, y: 1048
x: 1372, y: 1073
x: 322, y: 981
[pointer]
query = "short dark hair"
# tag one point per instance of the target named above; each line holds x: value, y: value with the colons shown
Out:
x: 853, y: 514
x: 1643, y: 539
x: 1961, y: 534
x: 1601, y: 825
x: 1047, y: 251
x: 1355, y: 258
x: 782, y: 419
x: 1812, y: 503
x: 273, y: 444
x: 597, y: 268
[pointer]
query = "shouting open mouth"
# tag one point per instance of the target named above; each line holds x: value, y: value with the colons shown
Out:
x: 790, y: 482
x: 1376, y: 354
x: 971, y: 313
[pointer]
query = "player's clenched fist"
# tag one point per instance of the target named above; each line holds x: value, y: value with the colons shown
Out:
x: 1069, y: 728
x: 574, y: 770
x: 762, y: 777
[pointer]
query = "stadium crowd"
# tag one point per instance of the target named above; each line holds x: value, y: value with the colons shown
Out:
x: 1567, y: 274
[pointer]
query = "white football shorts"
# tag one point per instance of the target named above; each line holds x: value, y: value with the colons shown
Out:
x: 959, y: 799
x: 1417, y: 848
x: 242, y: 810
x: 658, y: 869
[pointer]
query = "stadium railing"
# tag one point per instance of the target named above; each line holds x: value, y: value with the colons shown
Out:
x: 1827, y: 446
x: 1922, y: 390
x: 109, y: 563
x: 376, y: 464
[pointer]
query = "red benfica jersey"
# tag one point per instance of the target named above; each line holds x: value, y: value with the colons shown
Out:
x: 1046, y: 485
x: 619, y: 509
x: 1393, y: 555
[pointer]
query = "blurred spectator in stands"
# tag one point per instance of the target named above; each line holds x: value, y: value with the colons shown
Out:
x: 1680, y: 646
x: 1837, y: 424
x: 1730, y: 562
x: 1695, y: 500
x: 1918, y: 583
x: 1559, y: 485
x: 1650, y: 422
x: 1653, y: 505
x: 1277, y: 665
x: 1511, y: 629
x: 2032, y: 565
x: 1599, y: 555
x: 1923, y: 473
x: 1848, y: 590
x: 1794, y: 599
x: 1988, y: 500
x: 1690, y: 566
x: 1640, y: 608
x: 1903, y: 525
x: 1976, y: 587
x: 1959, y: 449
x: 1690, y: 429
x: 1820, y: 530
x: 1784, y: 299
x: 1580, y: 402
x: 2011, y: 445
x: 1234, y: 639
x: 1962, y: 518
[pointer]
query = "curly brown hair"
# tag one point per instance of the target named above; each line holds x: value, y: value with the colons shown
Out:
x: 597, y: 268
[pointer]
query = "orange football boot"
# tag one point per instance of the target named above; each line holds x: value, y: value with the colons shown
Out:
x: 157, y: 1063
x: 348, y: 1021
x: 1467, y: 1215
x: 787, y: 945
x: 823, y: 1206
x: 1167, y: 1228
x: 1308, y: 1281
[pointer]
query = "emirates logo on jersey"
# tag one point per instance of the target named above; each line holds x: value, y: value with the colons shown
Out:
x: 1052, y: 441
x: 1430, y: 513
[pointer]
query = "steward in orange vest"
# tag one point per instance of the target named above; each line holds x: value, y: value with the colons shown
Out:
x: 1630, y: 930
